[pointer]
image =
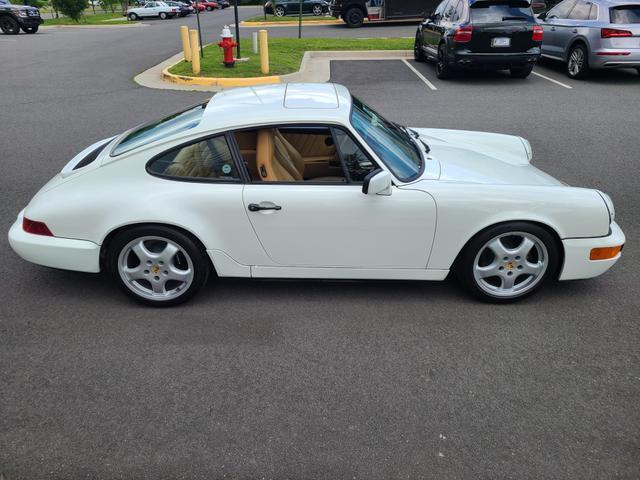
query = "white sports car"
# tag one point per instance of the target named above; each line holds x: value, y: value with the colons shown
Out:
x: 306, y: 181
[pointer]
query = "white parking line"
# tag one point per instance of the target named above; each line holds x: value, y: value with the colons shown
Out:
x: 552, y: 80
x: 420, y: 76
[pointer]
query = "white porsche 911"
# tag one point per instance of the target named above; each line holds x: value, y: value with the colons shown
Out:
x: 306, y: 181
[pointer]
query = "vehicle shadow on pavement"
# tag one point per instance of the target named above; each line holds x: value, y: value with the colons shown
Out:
x: 623, y: 76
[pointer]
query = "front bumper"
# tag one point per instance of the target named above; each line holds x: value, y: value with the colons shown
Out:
x: 31, y: 21
x: 466, y: 59
x: 576, y: 255
x: 63, y: 253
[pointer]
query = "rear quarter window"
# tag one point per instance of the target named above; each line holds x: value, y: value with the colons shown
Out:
x: 625, y: 14
x: 496, y: 12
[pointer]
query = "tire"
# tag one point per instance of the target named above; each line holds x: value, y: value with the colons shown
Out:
x: 9, y: 26
x: 133, y: 17
x: 163, y: 16
x: 578, y: 62
x: 30, y: 30
x: 521, y: 72
x: 354, y: 18
x: 209, y: 9
x: 418, y: 54
x: 443, y: 69
x: 317, y: 10
x: 490, y: 263
x: 157, y: 265
x: 279, y: 11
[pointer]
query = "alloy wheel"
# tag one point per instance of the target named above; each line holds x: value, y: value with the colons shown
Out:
x: 155, y: 268
x: 510, y: 264
x: 279, y: 12
x: 576, y: 62
x: 317, y: 10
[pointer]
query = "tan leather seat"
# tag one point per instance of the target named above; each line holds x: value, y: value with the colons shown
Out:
x: 279, y: 161
x: 196, y: 160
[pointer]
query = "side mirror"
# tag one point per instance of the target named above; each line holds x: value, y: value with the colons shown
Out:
x: 377, y: 182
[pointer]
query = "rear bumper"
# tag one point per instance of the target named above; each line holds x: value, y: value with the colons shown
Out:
x: 466, y: 59
x: 63, y: 253
x: 615, y: 58
x: 576, y: 255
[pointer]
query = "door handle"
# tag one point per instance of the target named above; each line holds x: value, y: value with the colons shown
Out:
x: 255, y: 207
x: 575, y: 30
x: 553, y: 29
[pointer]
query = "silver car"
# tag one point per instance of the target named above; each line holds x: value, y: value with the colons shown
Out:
x: 592, y: 34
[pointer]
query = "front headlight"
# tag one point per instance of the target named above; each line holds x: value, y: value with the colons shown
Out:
x: 609, y: 203
x: 20, y: 13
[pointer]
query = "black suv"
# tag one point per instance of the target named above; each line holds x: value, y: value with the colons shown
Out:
x: 484, y: 34
x: 16, y: 17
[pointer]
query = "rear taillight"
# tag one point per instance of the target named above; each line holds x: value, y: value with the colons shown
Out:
x: 538, y: 33
x: 612, y: 33
x: 36, y: 228
x: 463, y: 34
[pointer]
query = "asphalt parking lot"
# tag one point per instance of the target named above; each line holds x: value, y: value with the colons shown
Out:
x: 308, y: 379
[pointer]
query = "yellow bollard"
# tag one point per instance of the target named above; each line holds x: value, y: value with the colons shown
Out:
x: 264, y: 51
x: 186, y: 48
x: 195, y: 50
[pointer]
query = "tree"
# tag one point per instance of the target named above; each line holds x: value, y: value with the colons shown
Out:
x: 72, y: 8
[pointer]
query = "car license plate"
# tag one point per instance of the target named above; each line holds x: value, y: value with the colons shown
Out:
x: 501, y: 42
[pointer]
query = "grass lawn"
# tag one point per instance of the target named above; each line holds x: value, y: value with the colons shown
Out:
x: 290, y: 18
x: 97, y: 19
x: 285, y: 55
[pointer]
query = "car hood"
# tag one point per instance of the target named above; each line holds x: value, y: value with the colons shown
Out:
x: 480, y: 157
x: 22, y: 8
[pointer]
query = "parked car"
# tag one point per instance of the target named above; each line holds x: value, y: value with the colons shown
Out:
x: 592, y: 34
x: 480, y: 34
x: 310, y: 182
x: 183, y: 8
x: 291, y: 7
x: 152, y: 9
x: 354, y: 12
x: 208, y: 6
x: 16, y: 17
x: 223, y: 4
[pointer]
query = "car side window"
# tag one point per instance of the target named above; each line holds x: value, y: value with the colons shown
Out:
x: 458, y: 12
x: 209, y: 159
x: 437, y: 15
x: 562, y: 9
x: 593, y: 13
x: 356, y: 162
x: 449, y: 11
x: 580, y: 11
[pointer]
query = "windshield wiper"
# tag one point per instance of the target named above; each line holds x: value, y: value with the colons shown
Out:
x: 412, y: 135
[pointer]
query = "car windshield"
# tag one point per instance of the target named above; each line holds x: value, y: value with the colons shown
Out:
x: 150, y: 132
x: 496, y: 12
x: 626, y: 14
x: 390, y: 142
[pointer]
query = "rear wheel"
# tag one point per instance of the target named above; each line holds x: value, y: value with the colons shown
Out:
x: 354, y: 17
x: 9, y: 26
x: 521, y: 72
x: 317, y: 10
x: 443, y: 69
x: 418, y: 54
x: 30, y: 29
x: 508, y: 262
x: 279, y: 11
x: 578, y: 63
x: 157, y: 266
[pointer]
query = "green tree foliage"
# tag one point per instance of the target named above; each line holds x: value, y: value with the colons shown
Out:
x: 72, y: 8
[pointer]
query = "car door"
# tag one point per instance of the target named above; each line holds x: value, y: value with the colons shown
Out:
x: 334, y: 224
x: 432, y: 31
x: 553, y: 25
x: 149, y: 10
x: 577, y: 22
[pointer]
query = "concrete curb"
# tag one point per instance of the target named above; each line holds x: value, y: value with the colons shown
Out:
x: 315, y: 67
x: 290, y: 24
x: 119, y: 25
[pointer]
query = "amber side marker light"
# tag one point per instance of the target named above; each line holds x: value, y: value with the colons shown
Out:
x: 36, y: 228
x: 604, y: 253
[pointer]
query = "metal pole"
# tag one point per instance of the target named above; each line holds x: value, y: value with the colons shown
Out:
x: 235, y: 12
x: 199, y: 32
x: 300, y: 20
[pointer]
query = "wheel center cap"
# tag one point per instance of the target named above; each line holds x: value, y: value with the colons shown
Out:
x: 509, y: 266
x: 155, y: 269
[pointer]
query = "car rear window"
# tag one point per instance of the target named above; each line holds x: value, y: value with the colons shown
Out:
x: 496, y: 12
x: 626, y: 14
x: 153, y: 131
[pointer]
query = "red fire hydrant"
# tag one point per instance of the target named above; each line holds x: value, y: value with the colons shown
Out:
x: 227, y: 45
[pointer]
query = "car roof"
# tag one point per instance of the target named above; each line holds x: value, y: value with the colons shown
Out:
x: 285, y: 102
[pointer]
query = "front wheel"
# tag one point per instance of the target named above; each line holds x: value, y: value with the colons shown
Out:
x: 443, y: 69
x: 354, y: 18
x: 521, y: 72
x: 279, y: 11
x: 9, y: 26
x: 158, y: 266
x: 30, y: 29
x: 317, y: 10
x: 508, y: 262
x: 133, y: 17
x: 578, y: 63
